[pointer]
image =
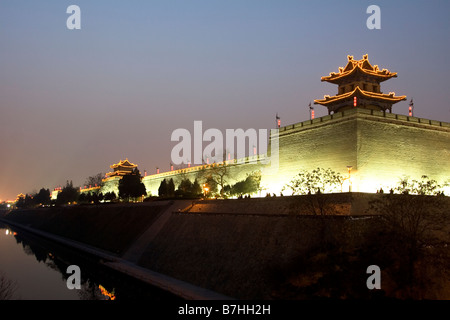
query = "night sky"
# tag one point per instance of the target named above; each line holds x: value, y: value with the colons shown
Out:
x: 73, y: 102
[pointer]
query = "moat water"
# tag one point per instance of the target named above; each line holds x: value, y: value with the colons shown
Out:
x: 37, y: 270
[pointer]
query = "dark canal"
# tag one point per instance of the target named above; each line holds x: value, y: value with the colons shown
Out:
x: 35, y: 269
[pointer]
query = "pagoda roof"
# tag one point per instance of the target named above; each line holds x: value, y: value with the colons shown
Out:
x: 391, y: 97
x: 118, y: 173
x: 124, y: 163
x: 362, y: 66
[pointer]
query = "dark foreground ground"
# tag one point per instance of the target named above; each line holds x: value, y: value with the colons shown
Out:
x: 274, y: 248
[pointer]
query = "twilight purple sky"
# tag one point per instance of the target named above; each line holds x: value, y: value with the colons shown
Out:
x: 73, y: 102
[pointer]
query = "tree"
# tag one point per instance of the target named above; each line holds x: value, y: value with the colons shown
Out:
x: 20, y: 203
x: 184, y: 188
x: 110, y: 196
x: 414, y: 218
x: 227, y: 190
x: 316, y: 181
x: 162, y: 190
x: 83, y: 198
x: 68, y: 194
x: 131, y: 186
x: 166, y: 189
x: 219, y: 172
x: 196, y: 189
x: 411, y: 225
x: 404, y: 186
x: 249, y: 185
x: 239, y: 188
x: 215, y: 176
x: 426, y: 186
x: 187, y: 189
x: 94, y: 197
x: 95, y: 180
x: 89, y: 197
x: 315, y: 184
x: 43, y: 197
x: 26, y: 202
x: 211, y: 184
x: 171, y: 188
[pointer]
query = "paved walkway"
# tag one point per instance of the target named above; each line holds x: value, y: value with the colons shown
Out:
x: 177, y: 287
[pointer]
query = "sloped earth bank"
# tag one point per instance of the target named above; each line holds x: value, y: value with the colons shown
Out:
x: 247, y: 250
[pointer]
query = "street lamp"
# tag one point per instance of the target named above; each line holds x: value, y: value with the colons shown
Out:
x: 205, y: 188
x: 349, y: 169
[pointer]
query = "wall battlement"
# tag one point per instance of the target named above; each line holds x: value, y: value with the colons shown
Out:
x: 345, y: 115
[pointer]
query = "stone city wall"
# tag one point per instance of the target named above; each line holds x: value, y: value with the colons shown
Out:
x: 381, y: 148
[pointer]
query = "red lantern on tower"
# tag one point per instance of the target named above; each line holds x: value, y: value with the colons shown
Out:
x: 411, y: 107
x: 311, y: 110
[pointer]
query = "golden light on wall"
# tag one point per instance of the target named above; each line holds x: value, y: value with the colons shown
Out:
x: 106, y: 293
x: 272, y: 185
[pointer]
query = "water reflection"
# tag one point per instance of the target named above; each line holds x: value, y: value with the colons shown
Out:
x: 38, y: 269
x: 36, y: 272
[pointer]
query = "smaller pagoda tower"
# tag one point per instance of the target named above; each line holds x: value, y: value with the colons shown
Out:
x: 359, y: 87
x: 122, y: 168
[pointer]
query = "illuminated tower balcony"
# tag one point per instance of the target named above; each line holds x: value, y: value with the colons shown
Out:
x: 359, y: 87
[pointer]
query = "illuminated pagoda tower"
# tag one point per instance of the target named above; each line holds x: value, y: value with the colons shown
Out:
x: 111, y: 181
x: 369, y: 147
x: 122, y: 168
x: 359, y: 87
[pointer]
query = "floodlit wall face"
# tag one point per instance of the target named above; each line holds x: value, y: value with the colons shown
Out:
x: 381, y: 148
x: 237, y: 172
x: 393, y: 146
x: 111, y: 185
x: 54, y: 195
x: 330, y: 143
